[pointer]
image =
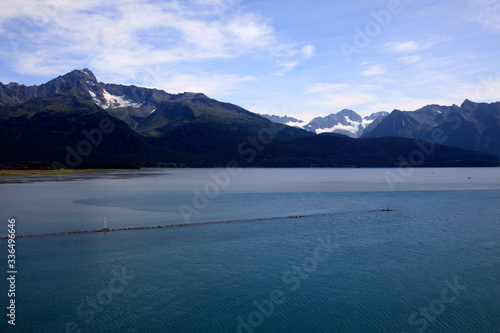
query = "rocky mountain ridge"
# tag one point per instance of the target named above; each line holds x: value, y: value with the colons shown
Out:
x: 346, y: 122
x: 75, y: 121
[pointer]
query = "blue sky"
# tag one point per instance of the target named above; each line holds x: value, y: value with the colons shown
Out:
x: 300, y: 58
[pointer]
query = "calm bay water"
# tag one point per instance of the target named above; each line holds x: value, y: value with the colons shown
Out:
x: 432, y: 264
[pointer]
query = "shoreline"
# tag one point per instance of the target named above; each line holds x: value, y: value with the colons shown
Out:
x: 51, y: 172
x: 27, y: 176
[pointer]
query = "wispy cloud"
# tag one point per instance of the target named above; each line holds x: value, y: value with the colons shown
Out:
x: 125, y: 36
x: 307, y: 51
x: 207, y: 83
x: 354, y: 99
x: 488, y: 13
x: 410, y: 59
x: 294, y: 59
x: 373, y: 70
x: 323, y: 87
x: 412, y: 46
x: 337, y: 96
x: 404, y: 47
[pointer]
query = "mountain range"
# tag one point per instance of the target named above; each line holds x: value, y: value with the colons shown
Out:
x: 346, y: 122
x: 472, y: 126
x: 75, y: 121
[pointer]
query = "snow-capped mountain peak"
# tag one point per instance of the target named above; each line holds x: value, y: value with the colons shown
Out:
x: 346, y: 122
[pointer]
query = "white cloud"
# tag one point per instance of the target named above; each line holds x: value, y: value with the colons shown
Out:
x: 488, y: 13
x: 293, y: 58
x: 336, y: 96
x: 308, y: 51
x: 277, y: 111
x: 485, y: 89
x: 411, y: 46
x: 347, y: 99
x: 373, y: 70
x: 410, y: 59
x: 124, y: 37
x: 212, y: 84
x: 286, y: 66
x: 404, y: 47
x: 324, y: 87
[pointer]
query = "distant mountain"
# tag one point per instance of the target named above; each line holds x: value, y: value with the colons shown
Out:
x: 346, y: 122
x: 286, y: 120
x: 374, y: 119
x: 474, y: 126
x: 75, y: 121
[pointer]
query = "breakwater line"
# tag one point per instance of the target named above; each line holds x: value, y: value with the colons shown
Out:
x: 64, y: 233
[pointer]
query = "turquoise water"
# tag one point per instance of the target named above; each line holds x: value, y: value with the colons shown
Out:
x: 431, y: 265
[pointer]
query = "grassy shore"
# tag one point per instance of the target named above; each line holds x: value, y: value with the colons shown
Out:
x: 51, y: 172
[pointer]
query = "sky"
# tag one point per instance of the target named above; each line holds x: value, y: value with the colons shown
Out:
x: 298, y: 58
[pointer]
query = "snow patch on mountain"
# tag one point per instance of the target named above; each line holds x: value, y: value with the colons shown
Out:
x: 349, y: 128
x: 299, y: 124
x: 113, y: 101
x: 367, y: 122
